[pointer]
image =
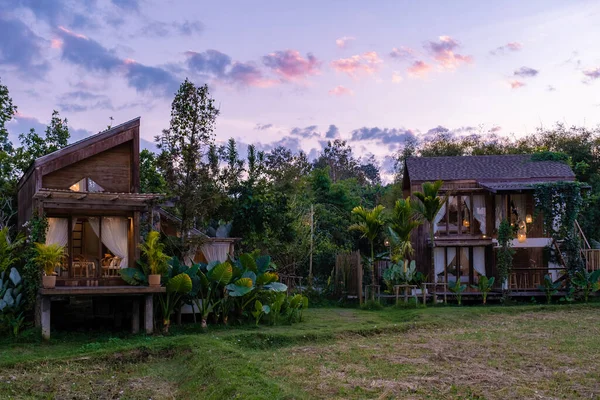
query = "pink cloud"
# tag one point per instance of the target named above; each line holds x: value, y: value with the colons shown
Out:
x: 516, y: 84
x: 290, y: 64
x: 402, y: 53
x: 343, y: 42
x: 419, y: 69
x: 56, y: 43
x: 341, y: 91
x: 444, y: 53
x: 510, y: 46
x: 367, y: 63
x: 249, y: 75
x: 396, y: 77
x: 514, y: 46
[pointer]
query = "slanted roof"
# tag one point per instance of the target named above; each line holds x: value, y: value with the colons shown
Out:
x: 486, y: 168
x: 83, y: 148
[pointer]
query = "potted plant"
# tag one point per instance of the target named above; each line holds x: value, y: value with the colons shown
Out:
x: 49, y: 257
x: 156, y: 259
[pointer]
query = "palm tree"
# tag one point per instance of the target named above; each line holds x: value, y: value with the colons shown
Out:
x: 403, y: 221
x: 429, y: 205
x: 370, y: 224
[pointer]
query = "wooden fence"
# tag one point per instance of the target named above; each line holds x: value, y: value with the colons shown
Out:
x: 349, y: 275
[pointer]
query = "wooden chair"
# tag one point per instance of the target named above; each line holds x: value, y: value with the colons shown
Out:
x: 537, y: 279
x: 112, y: 269
x: 524, y: 280
x: 512, y: 281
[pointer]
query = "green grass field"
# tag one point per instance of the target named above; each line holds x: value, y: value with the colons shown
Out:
x: 435, y: 353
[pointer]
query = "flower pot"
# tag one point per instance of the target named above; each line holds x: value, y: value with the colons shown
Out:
x: 154, y: 280
x: 49, y: 282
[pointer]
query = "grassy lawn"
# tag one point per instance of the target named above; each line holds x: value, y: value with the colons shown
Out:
x: 447, y: 352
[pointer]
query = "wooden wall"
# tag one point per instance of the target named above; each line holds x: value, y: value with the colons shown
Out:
x: 111, y: 169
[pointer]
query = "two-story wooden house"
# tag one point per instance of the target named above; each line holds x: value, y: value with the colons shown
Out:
x: 482, y: 191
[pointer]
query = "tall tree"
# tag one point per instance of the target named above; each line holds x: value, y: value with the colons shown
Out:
x: 184, y: 149
x: 403, y: 221
x: 151, y: 180
x: 7, y: 174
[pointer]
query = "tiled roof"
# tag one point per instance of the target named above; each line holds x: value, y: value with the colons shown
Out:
x: 486, y: 168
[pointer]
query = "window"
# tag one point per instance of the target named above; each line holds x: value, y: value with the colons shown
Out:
x: 465, y: 264
x: 86, y: 185
x: 462, y: 215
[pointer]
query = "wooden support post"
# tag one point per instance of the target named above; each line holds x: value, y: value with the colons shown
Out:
x: 406, y: 287
x: 135, y: 316
x: 424, y: 289
x: 46, y: 308
x: 149, y: 315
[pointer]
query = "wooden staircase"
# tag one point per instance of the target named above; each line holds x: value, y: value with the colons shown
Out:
x: 590, y: 255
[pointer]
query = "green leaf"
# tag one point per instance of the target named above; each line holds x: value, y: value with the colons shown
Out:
x: 14, y: 276
x: 133, y: 276
x: 240, y: 288
x: 181, y: 284
x: 276, y: 287
x: 266, y: 309
x: 221, y: 274
x: 248, y: 262
x: 251, y: 275
x: 262, y: 264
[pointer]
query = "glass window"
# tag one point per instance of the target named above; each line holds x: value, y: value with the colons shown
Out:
x: 453, y: 219
x: 479, y: 216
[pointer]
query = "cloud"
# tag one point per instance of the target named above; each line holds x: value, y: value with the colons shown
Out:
x: 366, y: 63
x: 495, y: 129
x: 343, y: 42
x: 341, y: 91
x: 89, y: 54
x: 402, y: 53
x: 515, y: 84
x: 263, y: 127
x: 163, y: 29
x: 419, y: 69
x: 384, y: 136
x: 308, y: 132
x: 550, y: 88
x: 526, y: 72
x: 333, y: 132
x: 443, y: 52
x: 291, y: 143
x: 591, y: 74
x: 248, y: 74
x: 508, y: 47
x: 397, y: 77
x: 22, y: 49
x: 211, y: 61
x: 128, y: 5
x: 290, y: 65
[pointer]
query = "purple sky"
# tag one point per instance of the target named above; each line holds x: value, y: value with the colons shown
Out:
x: 300, y: 73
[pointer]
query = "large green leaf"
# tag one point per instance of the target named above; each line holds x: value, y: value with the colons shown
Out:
x: 248, y: 262
x: 240, y: 287
x: 14, y: 276
x: 221, y: 274
x: 251, y: 275
x: 181, y: 284
x: 262, y: 264
x: 133, y: 276
x: 276, y: 287
x: 266, y: 278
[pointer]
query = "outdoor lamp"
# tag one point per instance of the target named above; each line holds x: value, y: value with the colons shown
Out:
x: 386, y: 243
x: 466, y: 223
x: 521, y: 236
x: 528, y: 218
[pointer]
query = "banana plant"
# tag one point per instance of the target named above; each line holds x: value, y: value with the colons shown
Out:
x: 549, y: 287
x: 484, y: 285
x: 179, y: 282
x: 260, y: 310
x: 298, y: 303
x: 457, y: 288
x: 587, y: 282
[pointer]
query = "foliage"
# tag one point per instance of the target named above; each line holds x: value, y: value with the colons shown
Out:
x: 484, y: 285
x: 32, y: 273
x: 457, y: 288
x: 402, y: 223
x: 135, y: 276
x: 183, y: 150
x: 370, y: 225
x: 8, y: 249
x: 152, y: 251
x: 179, y: 281
x: 11, y: 301
x: 556, y: 156
x: 505, y: 253
x: 151, y: 180
x: 586, y: 282
x: 549, y: 287
x: 372, y: 305
x: 260, y: 310
x: 49, y: 257
x: 399, y: 274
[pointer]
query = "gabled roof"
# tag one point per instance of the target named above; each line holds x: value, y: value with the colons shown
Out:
x: 486, y: 168
x: 106, y: 140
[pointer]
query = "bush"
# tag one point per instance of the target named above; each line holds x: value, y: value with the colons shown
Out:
x: 372, y: 305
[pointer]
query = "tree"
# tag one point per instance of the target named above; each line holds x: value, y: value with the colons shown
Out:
x: 338, y: 157
x: 184, y: 148
x: 371, y: 225
x: 234, y: 167
x: 429, y: 205
x: 151, y: 180
x: 7, y: 175
x: 403, y: 221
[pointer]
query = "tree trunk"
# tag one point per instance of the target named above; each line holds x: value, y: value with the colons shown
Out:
x: 373, y: 283
x: 204, y: 324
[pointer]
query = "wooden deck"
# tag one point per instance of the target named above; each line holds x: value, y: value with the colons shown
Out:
x: 145, y: 291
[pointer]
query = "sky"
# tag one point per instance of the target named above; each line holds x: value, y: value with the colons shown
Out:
x: 301, y: 73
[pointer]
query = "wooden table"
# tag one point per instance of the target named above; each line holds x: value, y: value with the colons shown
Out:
x: 406, y: 289
x: 137, y: 291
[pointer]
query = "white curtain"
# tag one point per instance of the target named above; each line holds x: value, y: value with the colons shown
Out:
x: 439, y: 263
x: 479, y: 260
x: 440, y: 215
x: 499, y: 207
x: 216, y: 251
x: 479, y: 211
x: 114, y: 236
x: 58, y: 231
x: 451, y: 272
x: 518, y: 200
